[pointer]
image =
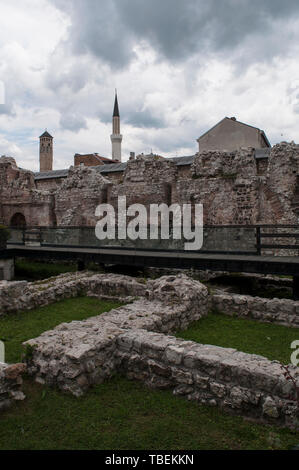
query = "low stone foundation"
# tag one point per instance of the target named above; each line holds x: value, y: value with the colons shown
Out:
x: 132, y: 340
x: 280, y: 311
x: 11, y: 384
x: 242, y: 383
x: 23, y: 295
x: 79, y: 354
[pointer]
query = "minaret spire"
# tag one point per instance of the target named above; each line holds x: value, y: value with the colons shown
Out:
x: 116, y: 110
x: 116, y: 137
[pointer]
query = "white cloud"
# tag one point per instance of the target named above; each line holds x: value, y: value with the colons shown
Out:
x: 166, y: 101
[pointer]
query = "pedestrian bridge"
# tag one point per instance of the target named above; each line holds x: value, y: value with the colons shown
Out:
x: 265, y: 249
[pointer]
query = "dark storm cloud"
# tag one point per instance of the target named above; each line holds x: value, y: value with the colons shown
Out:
x: 97, y: 28
x: 108, y: 29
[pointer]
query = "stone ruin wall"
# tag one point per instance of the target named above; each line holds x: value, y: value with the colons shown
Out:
x: 48, y: 184
x: 234, y: 188
x: 134, y: 340
x: 19, y: 195
x: 244, y: 384
x: 79, y: 195
x: 279, y: 311
x: 23, y: 295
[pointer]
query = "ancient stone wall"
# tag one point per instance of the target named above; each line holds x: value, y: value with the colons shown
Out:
x: 50, y: 184
x: 23, y: 295
x: 18, y: 195
x: 132, y: 340
x: 184, y: 172
x: 281, y: 182
x: 262, y: 166
x: 146, y: 180
x: 79, y: 195
x: 280, y: 311
x: 240, y: 383
x: 233, y: 187
x: 59, y: 357
x: 115, y: 177
x: 227, y: 186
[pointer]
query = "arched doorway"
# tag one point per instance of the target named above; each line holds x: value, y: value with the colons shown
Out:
x: 18, y: 220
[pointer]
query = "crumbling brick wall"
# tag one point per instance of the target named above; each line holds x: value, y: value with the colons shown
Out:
x: 18, y: 195
x: 232, y: 187
x: 79, y: 195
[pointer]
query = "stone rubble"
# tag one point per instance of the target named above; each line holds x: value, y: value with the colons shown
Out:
x: 11, y: 384
x: 280, y: 311
x: 133, y: 340
x: 241, y: 383
x: 75, y: 355
x: 23, y: 295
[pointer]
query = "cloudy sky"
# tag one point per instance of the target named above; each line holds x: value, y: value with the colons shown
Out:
x: 179, y: 67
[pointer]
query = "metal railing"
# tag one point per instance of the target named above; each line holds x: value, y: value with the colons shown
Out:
x: 221, y: 239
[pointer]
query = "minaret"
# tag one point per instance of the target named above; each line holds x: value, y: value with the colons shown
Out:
x: 116, y: 136
x: 46, y: 152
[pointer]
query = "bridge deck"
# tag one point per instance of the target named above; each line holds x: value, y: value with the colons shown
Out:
x: 283, y: 265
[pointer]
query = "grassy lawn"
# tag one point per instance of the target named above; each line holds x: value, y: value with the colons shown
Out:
x: 32, y: 270
x: 250, y: 336
x: 19, y: 327
x: 122, y: 414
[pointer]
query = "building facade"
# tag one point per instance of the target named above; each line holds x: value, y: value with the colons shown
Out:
x: 229, y: 135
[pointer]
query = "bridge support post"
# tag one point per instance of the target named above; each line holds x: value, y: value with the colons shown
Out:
x: 81, y: 265
x: 296, y: 287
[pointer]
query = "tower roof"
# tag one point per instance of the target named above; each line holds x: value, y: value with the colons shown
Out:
x: 46, y: 134
x: 115, y: 111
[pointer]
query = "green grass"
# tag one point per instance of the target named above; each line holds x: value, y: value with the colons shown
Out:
x: 250, y: 336
x: 19, y: 327
x: 33, y: 270
x: 122, y: 414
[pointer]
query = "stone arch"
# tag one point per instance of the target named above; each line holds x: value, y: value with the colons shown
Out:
x: 18, y: 220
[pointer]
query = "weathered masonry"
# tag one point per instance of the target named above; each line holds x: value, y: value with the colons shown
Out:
x: 136, y: 340
x: 247, y: 186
